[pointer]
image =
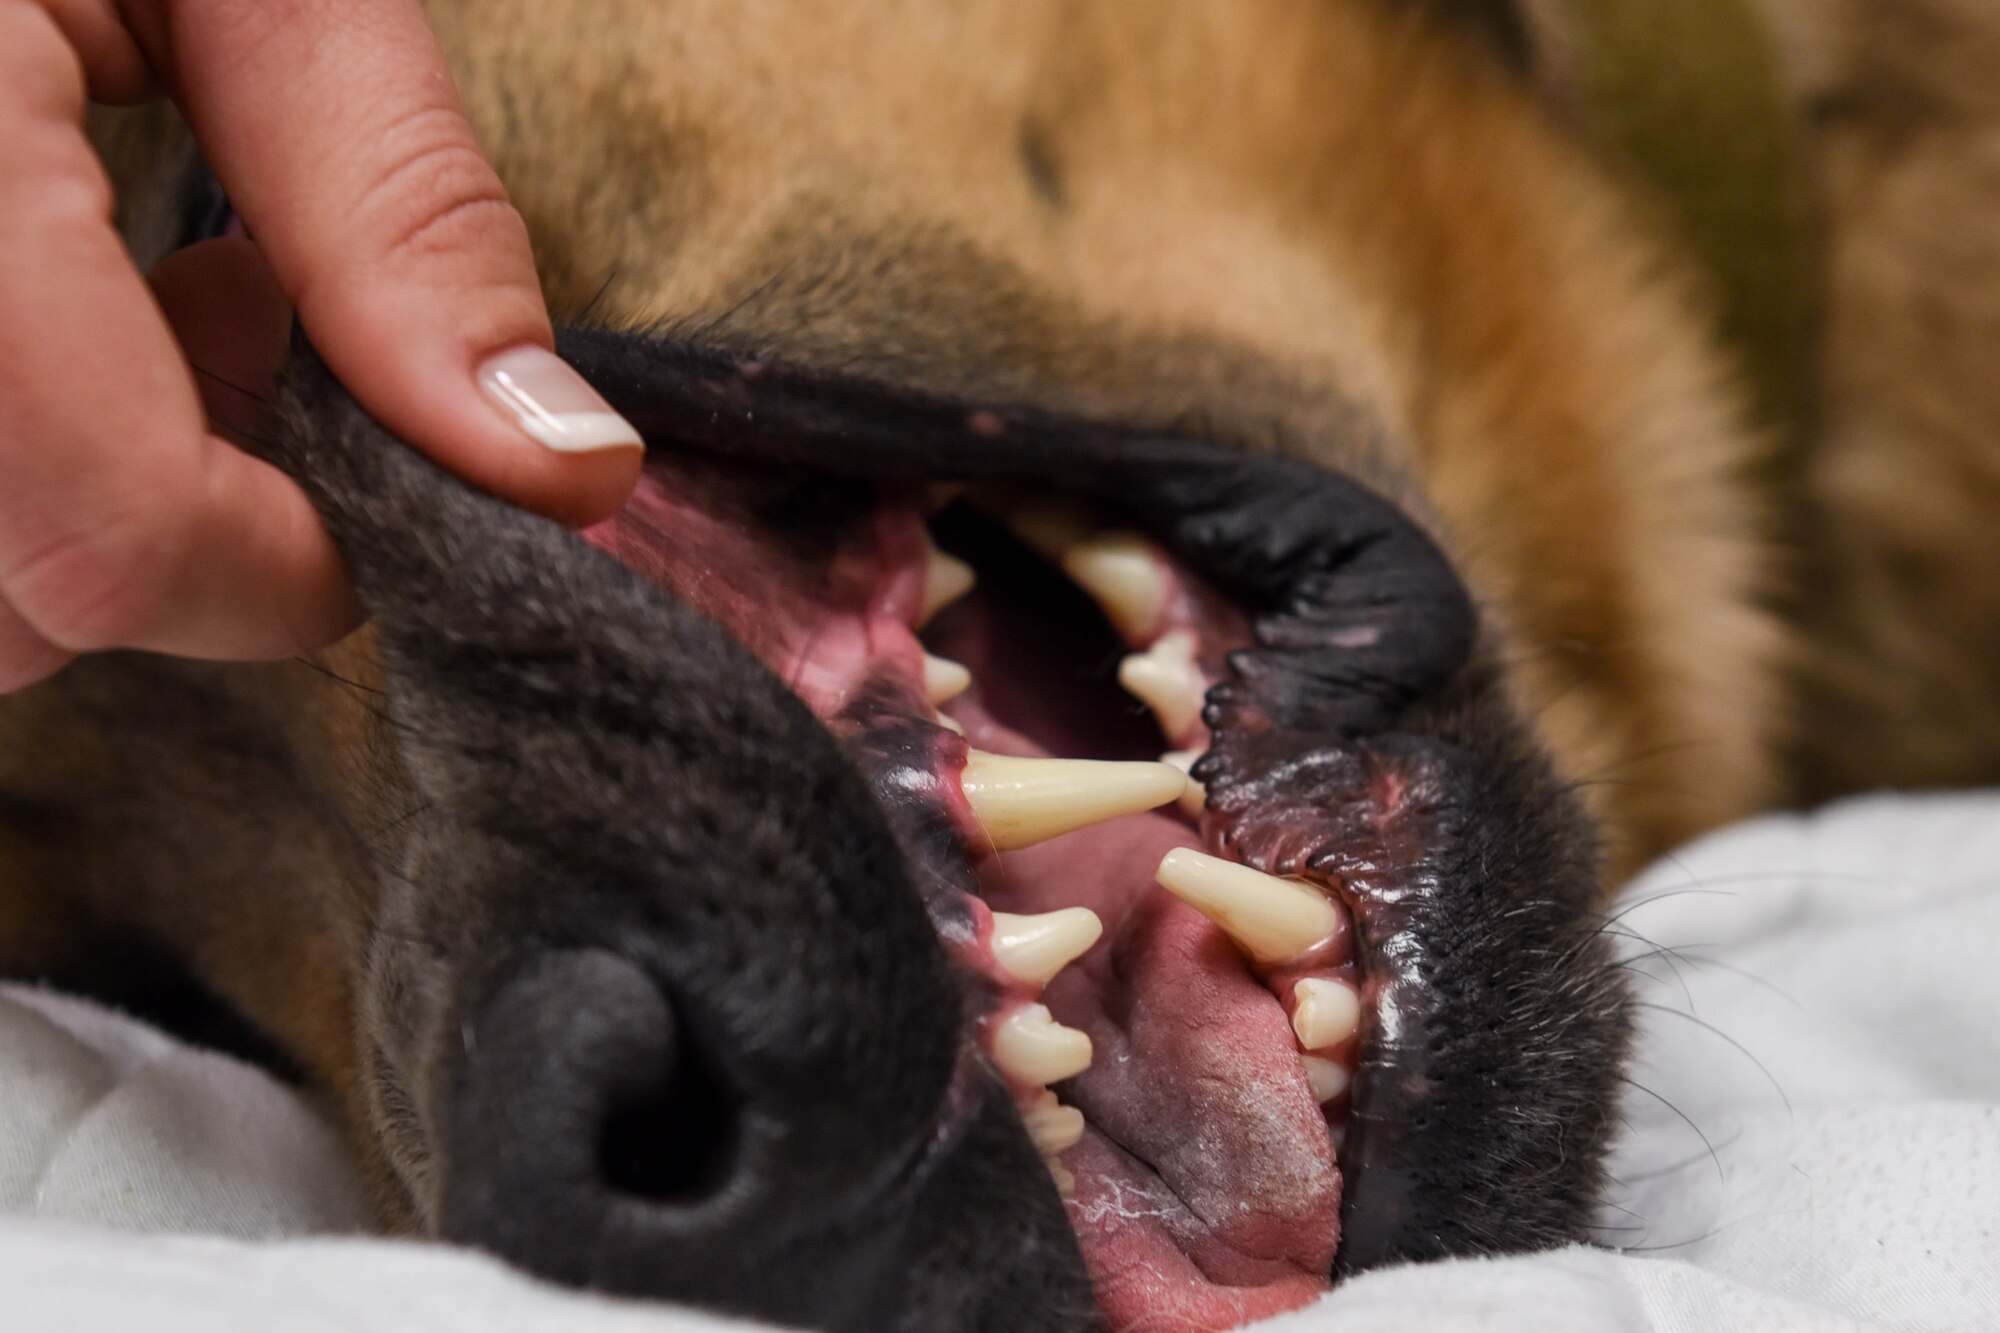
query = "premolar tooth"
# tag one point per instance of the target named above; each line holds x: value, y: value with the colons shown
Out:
x: 1324, y: 1013
x: 1034, y: 948
x: 1195, y: 799
x: 1065, y: 1182
x: 1031, y: 1046
x: 946, y: 579
x: 1020, y: 802
x: 1055, y: 1128
x: 1166, y: 679
x: 944, y: 679
x: 1121, y: 571
x: 1273, y: 919
x: 1327, y: 1078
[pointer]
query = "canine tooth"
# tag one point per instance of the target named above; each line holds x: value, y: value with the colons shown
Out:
x: 944, y: 679
x: 1121, y: 571
x: 1031, y: 1046
x: 946, y: 579
x: 1195, y: 799
x: 1034, y: 948
x: 1047, y: 527
x: 1324, y: 1013
x: 1055, y: 1128
x: 1272, y: 919
x: 1020, y: 802
x: 1328, y: 1079
x: 1166, y: 679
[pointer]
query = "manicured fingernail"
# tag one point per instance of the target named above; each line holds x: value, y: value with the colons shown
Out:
x: 541, y: 394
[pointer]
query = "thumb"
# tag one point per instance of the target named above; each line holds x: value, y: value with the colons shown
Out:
x: 337, y: 131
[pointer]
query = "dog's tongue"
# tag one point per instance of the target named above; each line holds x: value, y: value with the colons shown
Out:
x: 1206, y: 1191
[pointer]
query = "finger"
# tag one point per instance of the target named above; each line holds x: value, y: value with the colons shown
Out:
x: 25, y: 656
x: 123, y: 522
x: 338, y: 134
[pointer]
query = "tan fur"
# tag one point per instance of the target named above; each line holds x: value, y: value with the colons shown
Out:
x: 1243, y: 213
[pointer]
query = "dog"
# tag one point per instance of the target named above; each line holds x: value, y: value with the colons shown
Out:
x: 772, y: 899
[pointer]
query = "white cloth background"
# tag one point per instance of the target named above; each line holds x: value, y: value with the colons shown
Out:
x: 1825, y: 1026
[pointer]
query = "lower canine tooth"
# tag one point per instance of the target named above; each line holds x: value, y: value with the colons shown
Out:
x: 1166, y: 679
x: 944, y: 680
x: 1034, y: 948
x: 1324, y: 1013
x: 1055, y: 1128
x: 1020, y: 802
x: 1272, y: 919
x: 946, y: 579
x: 1121, y: 571
x: 1031, y: 1046
x: 1328, y: 1079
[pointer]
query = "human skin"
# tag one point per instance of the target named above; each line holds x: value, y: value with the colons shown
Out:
x: 126, y: 519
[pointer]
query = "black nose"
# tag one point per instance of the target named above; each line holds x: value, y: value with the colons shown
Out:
x: 593, y: 1142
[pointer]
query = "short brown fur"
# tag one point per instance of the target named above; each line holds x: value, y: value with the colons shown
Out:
x: 1157, y: 214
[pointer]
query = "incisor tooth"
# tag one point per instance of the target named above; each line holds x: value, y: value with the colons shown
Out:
x: 944, y: 679
x: 1195, y: 799
x: 1328, y: 1079
x: 1034, y: 948
x: 1031, y: 1046
x: 1272, y: 919
x: 946, y: 579
x: 1055, y: 1128
x: 1166, y: 679
x: 1122, y: 573
x: 1325, y: 1013
x: 1020, y: 802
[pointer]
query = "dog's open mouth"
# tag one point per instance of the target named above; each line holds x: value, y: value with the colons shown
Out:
x: 1185, y: 1069
x: 1268, y: 914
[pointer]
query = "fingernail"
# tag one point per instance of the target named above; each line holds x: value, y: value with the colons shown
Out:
x: 541, y: 394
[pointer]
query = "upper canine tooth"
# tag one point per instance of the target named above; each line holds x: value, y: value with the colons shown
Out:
x: 946, y: 579
x: 1195, y: 799
x: 1055, y: 1128
x: 1324, y: 1013
x: 944, y: 679
x: 1272, y: 919
x: 1031, y: 1046
x: 1020, y: 802
x: 1122, y: 572
x: 1034, y: 948
x: 1166, y: 679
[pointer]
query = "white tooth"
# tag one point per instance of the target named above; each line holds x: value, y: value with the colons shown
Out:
x: 1020, y: 802
x: 1166, y: 679
x: 944, y: 679
x: 1055, y: 1128
x: 1273, y: 919
x: 950, y: 724
x: 1031, y: 1046
x: 1325, y: 1013
x: 1122, y: 572
x: 946, y: 579
x: 1034, y: 948
x: 1195, y: 799
x: 1328, y: 1079
x: 1065, y: 1182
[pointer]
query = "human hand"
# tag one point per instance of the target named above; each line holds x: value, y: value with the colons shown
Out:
x: 124, y: 520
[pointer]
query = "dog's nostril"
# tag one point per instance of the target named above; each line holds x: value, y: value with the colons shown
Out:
x: 677, y: 1144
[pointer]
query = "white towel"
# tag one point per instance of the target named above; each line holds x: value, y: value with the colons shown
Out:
x: 1816, y: 1146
